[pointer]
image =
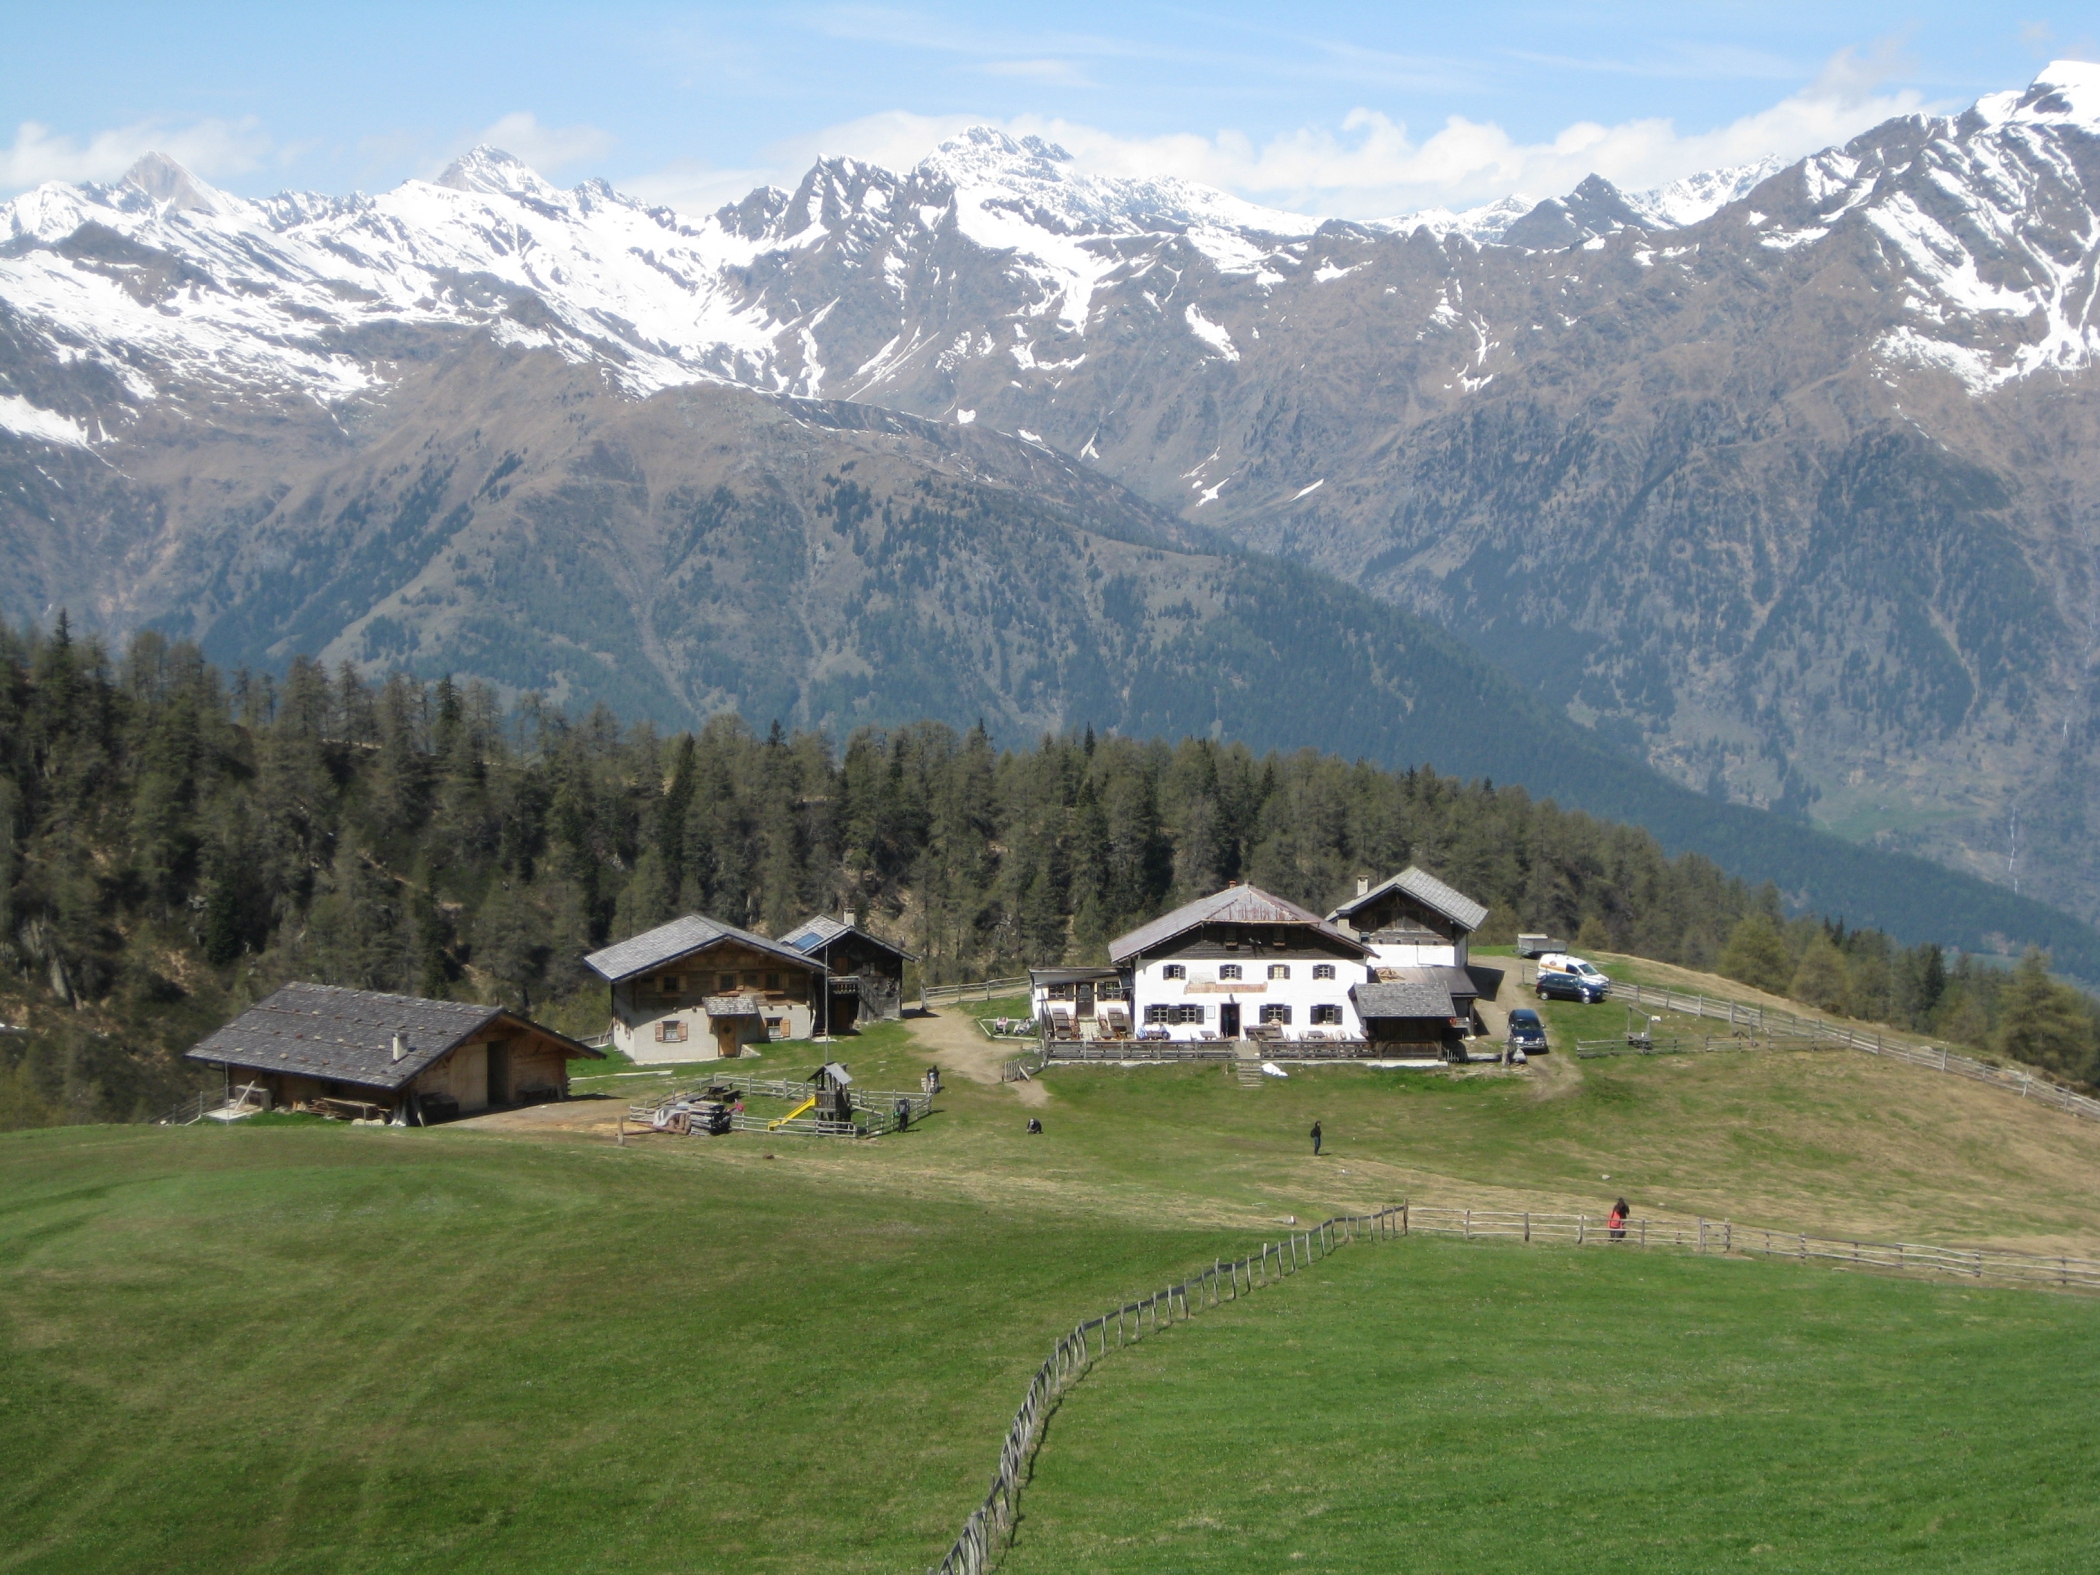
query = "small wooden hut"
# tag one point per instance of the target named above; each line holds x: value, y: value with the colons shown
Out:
x: 397, y: 1057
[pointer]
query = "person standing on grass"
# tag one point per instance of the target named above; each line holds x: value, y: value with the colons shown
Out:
x: 1316, y: 1139
x: 1619, y: 1211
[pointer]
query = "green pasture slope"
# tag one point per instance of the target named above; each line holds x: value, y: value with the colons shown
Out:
x: 1434, y: 1405
x: 315, y: 1348
x: 324, y: 1349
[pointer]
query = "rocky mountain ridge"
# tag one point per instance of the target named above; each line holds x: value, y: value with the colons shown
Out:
x: 1781, y: 479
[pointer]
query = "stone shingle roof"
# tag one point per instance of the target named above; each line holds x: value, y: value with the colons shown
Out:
x: 1423, y: 997
x: 346, y: 1036
x: 1424, y: 887
x: 812, y: 934
x: 1233, y: 905
x: 669, y: 942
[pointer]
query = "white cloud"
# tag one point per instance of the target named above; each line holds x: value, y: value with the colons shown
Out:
x: 212, y: 148
x: 546, y: 148
x: 1370, y: 166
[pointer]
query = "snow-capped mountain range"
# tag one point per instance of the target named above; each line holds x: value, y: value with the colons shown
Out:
x: 1984, y: 213
x: 1783, y: 476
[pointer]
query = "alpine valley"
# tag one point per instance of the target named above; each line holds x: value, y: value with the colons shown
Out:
x: 1780, y: 484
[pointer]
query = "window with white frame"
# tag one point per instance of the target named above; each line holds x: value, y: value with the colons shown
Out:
x: 1279, y: 970
x: 1173, y: 971
x: 1229, y: 971
x: 1323, y: 970
x: 1280, y: 1015
x: 670, y: 1031
x: 1327, y: 1016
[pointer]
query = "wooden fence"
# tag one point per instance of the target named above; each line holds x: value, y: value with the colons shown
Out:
x: 982, y: 990
x: 877, y: 1107
x: 985, y: 1532
x: 1725, y: 1236
x: 1775, y: 1024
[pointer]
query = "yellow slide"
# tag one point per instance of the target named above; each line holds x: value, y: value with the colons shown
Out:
x: 805, y: 1105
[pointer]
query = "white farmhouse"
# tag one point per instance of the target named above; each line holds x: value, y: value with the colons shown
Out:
x: 1237, y: 962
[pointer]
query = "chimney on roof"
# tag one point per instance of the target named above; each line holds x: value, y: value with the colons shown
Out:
x: 849, y: 918
x: 1363, y: 885
x: 400, y: 1046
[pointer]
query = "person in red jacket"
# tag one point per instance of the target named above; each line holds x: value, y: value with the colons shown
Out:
x: 1619, y: 1211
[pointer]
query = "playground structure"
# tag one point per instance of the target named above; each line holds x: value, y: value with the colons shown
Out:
x: 826, y: 1104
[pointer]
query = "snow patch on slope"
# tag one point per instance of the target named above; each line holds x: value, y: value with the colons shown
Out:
x: 19, y: 416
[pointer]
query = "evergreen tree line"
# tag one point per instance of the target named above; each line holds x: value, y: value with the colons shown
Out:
x: 2020, y: 1015
x: 178, y: 842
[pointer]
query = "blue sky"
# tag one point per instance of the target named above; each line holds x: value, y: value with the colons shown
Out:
x: 1342, y: 109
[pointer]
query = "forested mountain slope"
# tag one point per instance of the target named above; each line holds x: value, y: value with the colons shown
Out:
x: 174, y: 844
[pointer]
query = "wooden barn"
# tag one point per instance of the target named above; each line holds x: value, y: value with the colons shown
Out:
x: 697, y: 989
x: 866, y: 973
x: 359, y: 1052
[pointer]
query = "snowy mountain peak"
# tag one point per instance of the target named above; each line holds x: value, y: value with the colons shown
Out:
x: 1696, y: 197
x: 175, y: 189
x: 497, y: 174
x: 2062, y: 91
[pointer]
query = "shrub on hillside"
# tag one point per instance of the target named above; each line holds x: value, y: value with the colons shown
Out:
x: 1756, y: 954
x: 1820, y: 978
x: 2047, y: 1024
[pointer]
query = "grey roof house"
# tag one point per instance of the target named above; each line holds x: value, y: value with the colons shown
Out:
x: 696, y: 989
x: 400, y: 1056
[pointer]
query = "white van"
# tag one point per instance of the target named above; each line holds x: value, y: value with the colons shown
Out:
x: 1561, y: 962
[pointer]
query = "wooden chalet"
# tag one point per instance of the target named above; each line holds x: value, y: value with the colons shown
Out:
x: 1422, y: 988
x: 396, y: 1057
x: 697, y: 989
x: 865, y: 973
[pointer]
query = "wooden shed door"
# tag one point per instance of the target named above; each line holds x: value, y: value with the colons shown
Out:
x: 726, y: 1038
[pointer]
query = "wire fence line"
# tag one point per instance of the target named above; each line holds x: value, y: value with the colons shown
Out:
x: 1776, y: 1024
x: 1727, y: 1237
x: 985, y: 1532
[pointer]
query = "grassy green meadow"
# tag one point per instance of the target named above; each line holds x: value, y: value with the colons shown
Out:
x: 1433, y: 1405
x: 321, y: 1348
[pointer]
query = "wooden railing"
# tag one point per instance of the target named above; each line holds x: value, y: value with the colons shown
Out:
x: 1776, y: 1025
x: 981, y: 990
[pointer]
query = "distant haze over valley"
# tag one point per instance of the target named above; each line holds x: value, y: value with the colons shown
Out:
x: 1780, y: 481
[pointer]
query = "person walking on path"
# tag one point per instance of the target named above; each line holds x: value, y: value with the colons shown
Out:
x: 1316, y: 1139
x: 1619, y: 1211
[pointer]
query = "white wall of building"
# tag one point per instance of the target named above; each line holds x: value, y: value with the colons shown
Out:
x: 1440, y: 954
x: 1203, y: 987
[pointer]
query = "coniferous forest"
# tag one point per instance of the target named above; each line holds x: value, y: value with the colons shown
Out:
x: 179, y: 841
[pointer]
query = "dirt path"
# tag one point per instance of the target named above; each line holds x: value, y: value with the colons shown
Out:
x: 956, y: 1045
x: 585, y: 1113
